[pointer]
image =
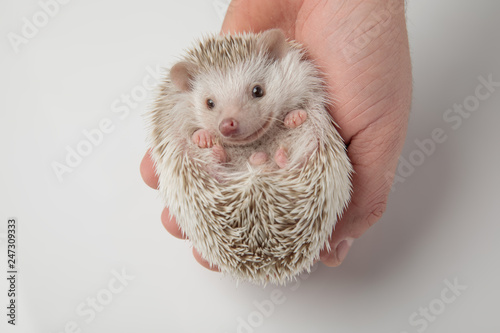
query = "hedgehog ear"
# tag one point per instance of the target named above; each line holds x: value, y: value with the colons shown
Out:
x: 181, y: 75
x: 273, y: 42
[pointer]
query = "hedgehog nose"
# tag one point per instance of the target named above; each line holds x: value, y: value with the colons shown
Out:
x: 228, y: 127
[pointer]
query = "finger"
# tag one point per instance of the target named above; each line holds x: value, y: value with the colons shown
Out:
x: 171, y: 225
x: 374, y: 155
x: 148, y: 171
x: 337, y: 255
x: 203, y: 262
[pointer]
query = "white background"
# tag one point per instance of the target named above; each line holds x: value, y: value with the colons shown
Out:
x: 442, y: 222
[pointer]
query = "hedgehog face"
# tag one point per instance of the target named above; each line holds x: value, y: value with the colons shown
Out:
x: 237, y: 105
x: 234, y: 105
x: 245, y: 90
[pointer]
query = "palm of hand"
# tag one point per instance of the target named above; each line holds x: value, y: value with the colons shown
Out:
x: 370, y: 87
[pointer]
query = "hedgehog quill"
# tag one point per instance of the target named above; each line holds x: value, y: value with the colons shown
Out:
x: 249, y: 160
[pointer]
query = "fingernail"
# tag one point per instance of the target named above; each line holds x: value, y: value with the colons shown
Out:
x: 343, y: 249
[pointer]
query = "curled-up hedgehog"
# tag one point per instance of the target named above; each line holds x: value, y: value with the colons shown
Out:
x: 249, y: 160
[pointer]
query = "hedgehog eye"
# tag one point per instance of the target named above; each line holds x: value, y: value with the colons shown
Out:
x: 210, y: 103
x: 257, y: 91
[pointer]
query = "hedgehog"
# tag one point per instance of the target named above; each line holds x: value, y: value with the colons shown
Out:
x: 249, y: 160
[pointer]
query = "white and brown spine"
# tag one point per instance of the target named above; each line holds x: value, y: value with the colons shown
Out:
x: 256, y: 224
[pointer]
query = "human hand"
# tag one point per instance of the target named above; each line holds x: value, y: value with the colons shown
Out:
x: 362, y: 48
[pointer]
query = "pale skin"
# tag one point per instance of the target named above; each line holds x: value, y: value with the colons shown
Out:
x: 366, y: 61
x: 203, y: 138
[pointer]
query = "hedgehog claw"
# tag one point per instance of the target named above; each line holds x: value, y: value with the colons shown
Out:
x: 281, y: 158
x: 295, y: 118
x: 203, y: 138
x: 219, y: 153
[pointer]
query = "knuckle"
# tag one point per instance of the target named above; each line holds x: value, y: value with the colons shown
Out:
x: 368, y: 219
x: 375, y: 212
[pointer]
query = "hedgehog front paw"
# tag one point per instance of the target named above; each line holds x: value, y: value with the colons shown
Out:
x: 219, y: 153
x: 295, y: 118
x: 203, y: 138
x: 258, y: 158
x: 281, y: 157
